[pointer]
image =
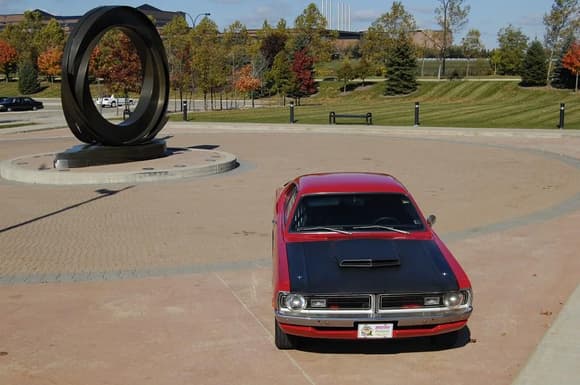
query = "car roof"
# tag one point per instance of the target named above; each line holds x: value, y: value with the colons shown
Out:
x: 348, y: 182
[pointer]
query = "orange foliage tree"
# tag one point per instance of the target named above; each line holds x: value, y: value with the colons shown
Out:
x: 49, y: 62
x: 116, y: 61
x: 571, y: 61
x: 8, y: 58
x: 246, y: 82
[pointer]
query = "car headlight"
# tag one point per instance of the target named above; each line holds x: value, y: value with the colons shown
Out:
x: 295, y: 302
x: 456, y: 298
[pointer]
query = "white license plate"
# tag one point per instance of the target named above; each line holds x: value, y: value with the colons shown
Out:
x: 375, y: 331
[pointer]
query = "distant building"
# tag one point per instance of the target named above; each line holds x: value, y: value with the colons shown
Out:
x: 159, y: 16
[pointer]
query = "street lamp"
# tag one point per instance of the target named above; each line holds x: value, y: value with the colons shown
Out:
x: 194, y: 20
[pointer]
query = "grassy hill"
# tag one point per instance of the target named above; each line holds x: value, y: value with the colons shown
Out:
x: 492, y: 104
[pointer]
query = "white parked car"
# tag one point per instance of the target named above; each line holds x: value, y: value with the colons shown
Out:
x: 112, y: 101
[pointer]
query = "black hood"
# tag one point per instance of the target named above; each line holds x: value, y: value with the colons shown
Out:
x: 368, y: 266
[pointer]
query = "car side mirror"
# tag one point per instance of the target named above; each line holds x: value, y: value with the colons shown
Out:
x: 431, y: 219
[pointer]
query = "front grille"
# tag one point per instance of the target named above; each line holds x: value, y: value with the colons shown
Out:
x: 347, y: 302
x: 407, y: 301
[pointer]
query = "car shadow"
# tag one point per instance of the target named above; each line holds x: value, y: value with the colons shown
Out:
x: 390, y: 346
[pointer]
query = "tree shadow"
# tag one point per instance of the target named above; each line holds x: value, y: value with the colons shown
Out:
x: 388, y: 346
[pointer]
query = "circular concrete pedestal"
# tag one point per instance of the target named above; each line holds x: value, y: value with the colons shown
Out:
x: 180, y: 163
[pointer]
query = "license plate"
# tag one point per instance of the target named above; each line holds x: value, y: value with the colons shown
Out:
x: 375, y: 331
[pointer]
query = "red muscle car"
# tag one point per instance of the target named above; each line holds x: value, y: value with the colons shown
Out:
x: 354, y: 258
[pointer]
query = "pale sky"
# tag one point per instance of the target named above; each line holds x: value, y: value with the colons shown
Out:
x: 488, y: 16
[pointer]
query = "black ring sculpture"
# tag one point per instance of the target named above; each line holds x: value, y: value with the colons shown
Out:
x: 81, y: 114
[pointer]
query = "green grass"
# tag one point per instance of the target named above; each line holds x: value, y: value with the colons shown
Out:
x: 491, y: 104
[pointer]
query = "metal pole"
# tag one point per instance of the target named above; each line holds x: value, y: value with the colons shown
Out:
x: 291, y: 112
x: 562, y: 110
x: 185, y: 110
x: 417, y: 123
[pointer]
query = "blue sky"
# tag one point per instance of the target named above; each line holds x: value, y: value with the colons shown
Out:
x: 486, y: 15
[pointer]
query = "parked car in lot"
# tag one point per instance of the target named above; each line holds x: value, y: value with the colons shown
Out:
x: 112, y: 101
x: 354, y: 258
x: 19, y: 103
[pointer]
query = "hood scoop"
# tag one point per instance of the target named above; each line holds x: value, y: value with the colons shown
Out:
x: 369, y: 262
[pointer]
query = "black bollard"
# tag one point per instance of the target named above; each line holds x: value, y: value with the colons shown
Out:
x: 185, y: 110
x: 417, y: 114
x: 562, y: 110
x: 291, y: 112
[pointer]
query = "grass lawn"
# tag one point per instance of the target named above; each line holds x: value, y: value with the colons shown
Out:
x: 491, y: 104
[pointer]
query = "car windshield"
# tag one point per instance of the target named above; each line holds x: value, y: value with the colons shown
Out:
x: 356, y: 212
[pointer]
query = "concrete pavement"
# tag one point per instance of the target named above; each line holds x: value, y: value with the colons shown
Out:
x: 168, y: 282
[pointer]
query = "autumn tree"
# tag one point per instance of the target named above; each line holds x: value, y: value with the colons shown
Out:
x: 451, y: 15
x: 8, y: 58
x: 562, y: 77
x: 512, y: 48
x: 177, y: 46
x: 302, y: 80
x: 571, y: 61
x: 563, y: 19
x: 363, y: 70
x: 380, y: 38
x: 49, y: 62
x: 247, y: 83
x: 24, y: 36
x: 115, y: 59
x: 471, y: 46
x: 534, y: 66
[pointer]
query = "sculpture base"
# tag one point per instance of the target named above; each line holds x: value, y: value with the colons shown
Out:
x: 86, y: 155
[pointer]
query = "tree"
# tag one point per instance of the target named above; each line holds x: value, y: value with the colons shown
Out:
x: 51, y: 35
x: 246, y: 82
x: 49, y: 62
x: 208, y: 58
x: 115, y: 59
x: 512, y: 48
x: 24, y: 36
x: 534, y: 66
x: 383, y: 33
x: 363, y: 70
x: 572, y: 61
x: 346, y: 73
x: 471, y: 46
x: 401, y: 68
x: 27, y: 78
x: 178, y: 49
x: 302, y: 80
x: 280, y: 77
x: 451, y: 15
x: 310, y: 33
x: 560, y: 22
x: 563, y: 77
x: 8, y: 58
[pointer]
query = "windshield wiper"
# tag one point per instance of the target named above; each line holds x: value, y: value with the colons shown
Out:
x: 388, y: 228
x: 332, y: 229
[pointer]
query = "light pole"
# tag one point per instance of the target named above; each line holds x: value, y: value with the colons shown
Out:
x: 194, y: 20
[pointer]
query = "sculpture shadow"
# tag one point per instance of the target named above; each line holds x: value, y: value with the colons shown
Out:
x: 389, y: 346
x: 104, y: 193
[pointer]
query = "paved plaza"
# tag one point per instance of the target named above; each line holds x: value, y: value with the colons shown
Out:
x: 168, y: 282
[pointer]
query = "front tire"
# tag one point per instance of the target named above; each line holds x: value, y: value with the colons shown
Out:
x: 283, y: 341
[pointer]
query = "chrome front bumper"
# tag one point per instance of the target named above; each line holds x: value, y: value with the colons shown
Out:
x: 414, y: 317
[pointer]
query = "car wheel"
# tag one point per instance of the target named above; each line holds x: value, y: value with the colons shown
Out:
x: 283, y: 341
x: 113, y: 104
x: 34, y: 108
x: 9, y: 109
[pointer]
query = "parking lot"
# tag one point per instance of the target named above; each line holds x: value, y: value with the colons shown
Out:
x: 169, y: 283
